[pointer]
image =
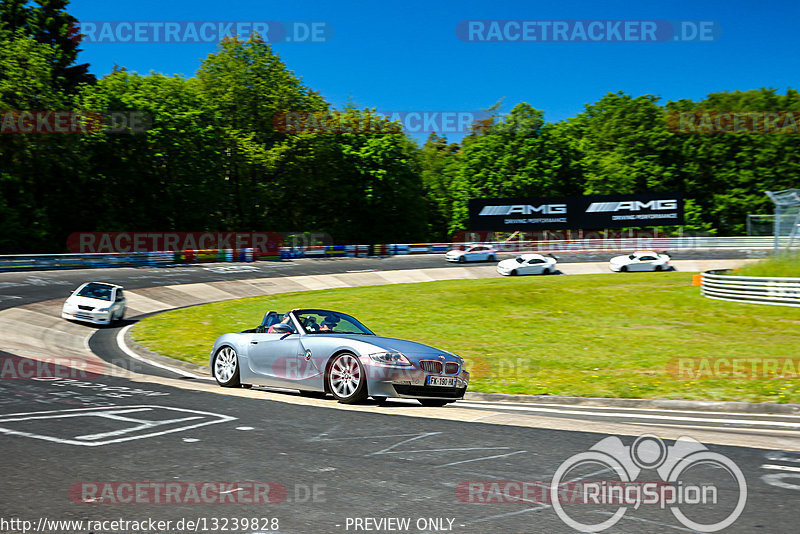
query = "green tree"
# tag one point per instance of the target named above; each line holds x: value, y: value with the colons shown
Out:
x: 48, y: 22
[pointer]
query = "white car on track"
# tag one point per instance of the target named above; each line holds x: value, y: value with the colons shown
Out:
x: 527, y: 264
x: 472, y: 253
x: 641, y: 260
x: 95, y: 302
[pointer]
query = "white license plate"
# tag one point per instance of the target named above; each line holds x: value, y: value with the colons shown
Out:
x: 444, y: 381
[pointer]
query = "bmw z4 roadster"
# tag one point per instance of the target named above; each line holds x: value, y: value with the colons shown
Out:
x: 323, y: 351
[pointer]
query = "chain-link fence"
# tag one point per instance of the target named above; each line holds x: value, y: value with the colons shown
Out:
x: 786, y: 221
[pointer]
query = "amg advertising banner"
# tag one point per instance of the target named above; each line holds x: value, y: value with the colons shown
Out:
x: 593, y: 212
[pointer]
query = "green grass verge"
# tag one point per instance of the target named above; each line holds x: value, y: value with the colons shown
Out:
x: 786, y: 264
x: 593, y: 335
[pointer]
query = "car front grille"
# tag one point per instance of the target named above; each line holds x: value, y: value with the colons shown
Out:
x: 85, y: 308
x: 431, y: 366
x: 430, y: 391
x: 83, y: 316
x: 450, y: 368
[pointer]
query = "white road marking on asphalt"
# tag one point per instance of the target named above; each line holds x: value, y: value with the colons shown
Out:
x: 317, y: 438
x: 587, y: 407
x: 244, y: 428
x: 454, y: 449
x: 144, y: 426
x: 124, y: 348
x: 781, y: 457
x: 112, y: 412
x: 781, y: 467
x: 417, y: 436
x: 639, y: 416
x: 776, y: 479
x: 480, y: 459
x: 4, y: 285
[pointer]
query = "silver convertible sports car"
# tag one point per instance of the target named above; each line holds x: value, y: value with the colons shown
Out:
x: 323, y: 351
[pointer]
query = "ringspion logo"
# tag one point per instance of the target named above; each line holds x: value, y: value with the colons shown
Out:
x: 689, y: 486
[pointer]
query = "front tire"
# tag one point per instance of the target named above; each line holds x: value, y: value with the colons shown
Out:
x: 346, y: 379
x: 462, y: 259
x: 513, y: 273
x: 623, y: 269
x: 226, y: 368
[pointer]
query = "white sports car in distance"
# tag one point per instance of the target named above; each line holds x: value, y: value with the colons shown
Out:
x: 527, y: 264
x: 473, y: 253
x: 95, y: 302
x: 641, y: 260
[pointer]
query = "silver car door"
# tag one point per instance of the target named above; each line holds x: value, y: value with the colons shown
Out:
x: 274, y: 357
x: 311, y: 357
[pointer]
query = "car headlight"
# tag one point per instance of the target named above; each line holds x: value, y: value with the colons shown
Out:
x: 103, y: 309
x: 390, y: 358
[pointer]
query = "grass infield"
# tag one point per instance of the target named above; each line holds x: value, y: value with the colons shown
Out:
x: 785, y: 264
x: 634, y: 335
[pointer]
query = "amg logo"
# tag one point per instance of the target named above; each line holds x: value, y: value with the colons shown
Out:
x: 633, y: 205
x: 524, y: 209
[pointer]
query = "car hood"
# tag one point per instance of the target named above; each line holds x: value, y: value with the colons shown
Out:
x: 454, y: 253
x: 509, y: 264
x: 620, y: 259
x: 87, y: 301
x: 409, y: 348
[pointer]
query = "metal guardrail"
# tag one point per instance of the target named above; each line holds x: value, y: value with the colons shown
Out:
x: 38, y: 262
x: 752, y: 289
x: 44, y: 262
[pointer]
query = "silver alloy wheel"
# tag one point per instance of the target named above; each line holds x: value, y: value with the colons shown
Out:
x: 226, y: 366
x: 345, y: 376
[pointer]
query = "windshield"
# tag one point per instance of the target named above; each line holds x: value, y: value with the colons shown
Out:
x: 520, y: 259
x: 96, y: 291
x: 330, y: 322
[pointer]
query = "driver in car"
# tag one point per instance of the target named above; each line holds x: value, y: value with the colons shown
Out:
x: 286, y: 320
x: 327, y: 325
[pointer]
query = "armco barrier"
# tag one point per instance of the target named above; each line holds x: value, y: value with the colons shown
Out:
x: 752, y: 289
x: 136, y: 259
x: 44, y: 262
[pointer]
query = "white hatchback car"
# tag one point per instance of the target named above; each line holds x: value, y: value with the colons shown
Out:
x: 473, y: 253
x: 527, y: 264
x: 641, y: 260
x: 95, y: 302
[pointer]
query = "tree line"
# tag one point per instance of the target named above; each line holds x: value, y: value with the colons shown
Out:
x: 213, y: 157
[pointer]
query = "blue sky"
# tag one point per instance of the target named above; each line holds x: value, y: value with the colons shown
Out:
x: 407, y: 56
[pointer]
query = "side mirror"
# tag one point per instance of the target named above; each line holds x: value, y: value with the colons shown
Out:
x: 282, y: 328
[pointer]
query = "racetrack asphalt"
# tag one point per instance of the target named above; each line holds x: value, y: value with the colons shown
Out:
x: 342, y: 470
